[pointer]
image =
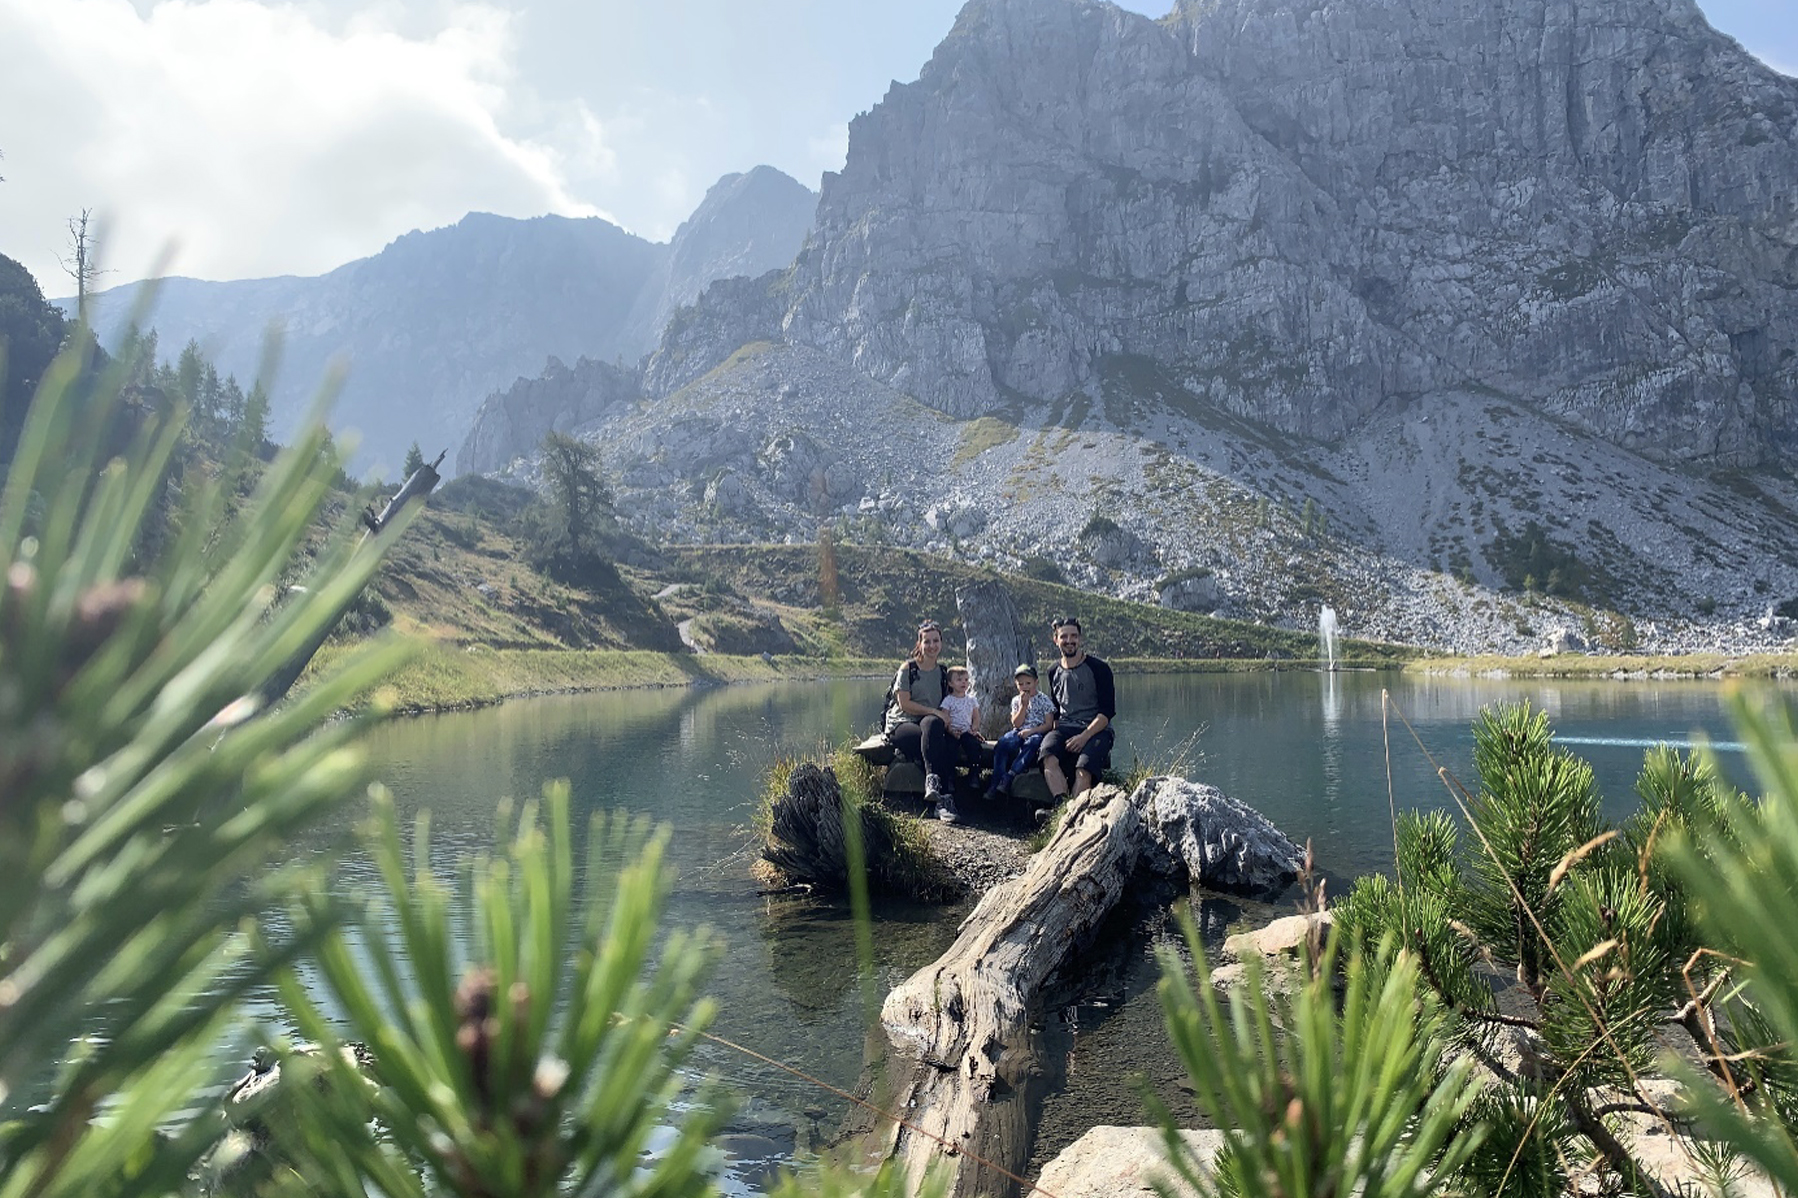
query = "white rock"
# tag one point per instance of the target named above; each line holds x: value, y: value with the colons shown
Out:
x: 1282, y: 936
x: 1123, y: 1162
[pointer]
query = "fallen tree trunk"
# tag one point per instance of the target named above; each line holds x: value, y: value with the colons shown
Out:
x: 963, y: 1065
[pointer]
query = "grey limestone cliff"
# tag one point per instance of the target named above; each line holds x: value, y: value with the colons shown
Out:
x: 561, y: 399
x: 1414, y: 308
x: 1298, y: 212
x: 747, y: 225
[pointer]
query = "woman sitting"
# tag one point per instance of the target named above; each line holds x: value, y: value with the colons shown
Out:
x: 916, y: 724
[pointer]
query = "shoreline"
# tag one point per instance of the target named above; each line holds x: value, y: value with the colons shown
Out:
x: 1690, y: 667
x: 446, y: 678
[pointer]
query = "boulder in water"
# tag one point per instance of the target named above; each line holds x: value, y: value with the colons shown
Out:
x: 1198, y: 833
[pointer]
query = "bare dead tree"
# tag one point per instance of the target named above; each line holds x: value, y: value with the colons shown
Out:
x: 82, y: 262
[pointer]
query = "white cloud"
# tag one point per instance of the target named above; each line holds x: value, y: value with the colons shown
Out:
x: 261, y: 140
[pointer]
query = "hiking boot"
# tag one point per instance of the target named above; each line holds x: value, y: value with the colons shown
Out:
x: 946, y: 812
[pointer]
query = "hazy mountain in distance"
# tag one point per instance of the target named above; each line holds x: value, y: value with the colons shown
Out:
x: 747, y: 224
x: 440, y: 318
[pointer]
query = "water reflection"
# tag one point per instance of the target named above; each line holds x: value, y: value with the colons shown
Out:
x: 1305, y: 748
x: 1332, y: 699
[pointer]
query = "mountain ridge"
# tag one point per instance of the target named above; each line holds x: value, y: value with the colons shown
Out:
x: 440, y: 318
x: 1350, y: 332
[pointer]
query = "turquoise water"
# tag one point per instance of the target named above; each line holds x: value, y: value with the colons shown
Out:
x: 1310, y: 751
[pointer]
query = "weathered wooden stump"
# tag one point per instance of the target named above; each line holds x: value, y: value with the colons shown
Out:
x: 997, y: 645
x: 807, y: 842
x: 963, y: 1064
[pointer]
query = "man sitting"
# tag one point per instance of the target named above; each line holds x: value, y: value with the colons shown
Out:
x: 1086, y: 700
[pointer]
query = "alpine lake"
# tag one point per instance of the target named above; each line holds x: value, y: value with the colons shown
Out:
x: 1312, y: 751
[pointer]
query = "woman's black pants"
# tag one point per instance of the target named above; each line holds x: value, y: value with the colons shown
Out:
x: 928, y: 743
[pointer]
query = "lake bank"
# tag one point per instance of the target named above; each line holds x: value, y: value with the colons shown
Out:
x: 1612, y: 667
x: 446, y: 677
x: 442, y: 677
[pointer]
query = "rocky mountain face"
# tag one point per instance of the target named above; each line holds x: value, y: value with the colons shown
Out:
x: 1301, y: 212
x: 438, y: 320
x: 747, y: 225
x: 1399, y: 305
x: 424, y: 329
x: 515, y: 421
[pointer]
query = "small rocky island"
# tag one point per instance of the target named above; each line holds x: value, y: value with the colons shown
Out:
x: 959, y: 1056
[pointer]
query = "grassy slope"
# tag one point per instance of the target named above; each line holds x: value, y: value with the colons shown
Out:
x: 885, y: 591
x: 444, y: 676
x: 490, y: 626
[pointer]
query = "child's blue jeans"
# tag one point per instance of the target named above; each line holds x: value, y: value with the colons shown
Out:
x: 1013, y: 753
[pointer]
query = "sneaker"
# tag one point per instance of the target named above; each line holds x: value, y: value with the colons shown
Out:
x: 946, y: 812
x: 933, y: 788
x: 1042, y: 815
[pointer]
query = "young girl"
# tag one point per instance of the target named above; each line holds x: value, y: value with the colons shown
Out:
x: 1032, y: 715
x: 964, y: 717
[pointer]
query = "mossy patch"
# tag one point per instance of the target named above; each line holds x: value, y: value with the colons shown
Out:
x: 980, y: 435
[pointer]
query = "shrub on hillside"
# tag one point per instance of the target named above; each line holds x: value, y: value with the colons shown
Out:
x: 1530, y: 560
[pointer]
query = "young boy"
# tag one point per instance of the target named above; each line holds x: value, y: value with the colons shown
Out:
x: 1032, y: 715
x: 963, y: 711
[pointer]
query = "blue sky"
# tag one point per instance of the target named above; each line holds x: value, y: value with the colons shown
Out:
x: 289, y: 136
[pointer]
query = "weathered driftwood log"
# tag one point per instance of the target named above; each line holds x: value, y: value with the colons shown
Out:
x: 806, y: 842
x: 957, y: 1056
x: 997, y: 645
x: 963, y: 1062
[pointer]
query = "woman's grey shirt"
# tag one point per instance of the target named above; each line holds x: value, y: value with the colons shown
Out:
x: 926, y: 689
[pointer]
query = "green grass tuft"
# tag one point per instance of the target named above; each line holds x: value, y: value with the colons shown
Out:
x: 978, y: 436
x: 909, y: 865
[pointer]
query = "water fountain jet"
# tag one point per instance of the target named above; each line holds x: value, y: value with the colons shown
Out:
x: 1326, y: 636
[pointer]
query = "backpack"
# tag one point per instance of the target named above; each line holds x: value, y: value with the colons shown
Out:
x: 911, y: 676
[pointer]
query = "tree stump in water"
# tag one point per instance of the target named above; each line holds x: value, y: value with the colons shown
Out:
x: 997, y: 645
x: 806, y: 842
x: 963, y: 1063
